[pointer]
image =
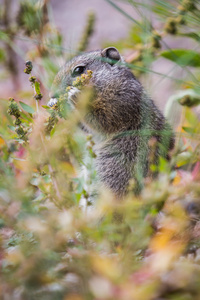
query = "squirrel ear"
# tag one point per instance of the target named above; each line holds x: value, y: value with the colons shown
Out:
x: 112, y: 54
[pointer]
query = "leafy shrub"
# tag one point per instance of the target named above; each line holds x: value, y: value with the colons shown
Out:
x: 56, y: 241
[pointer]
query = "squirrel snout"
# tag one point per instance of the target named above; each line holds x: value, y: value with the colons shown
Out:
x: 72, y: 93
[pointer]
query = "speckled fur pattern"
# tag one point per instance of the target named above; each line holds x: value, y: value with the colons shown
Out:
x: 123, y: 115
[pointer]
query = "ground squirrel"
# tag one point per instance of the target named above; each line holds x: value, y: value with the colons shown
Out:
x: 121, y: 113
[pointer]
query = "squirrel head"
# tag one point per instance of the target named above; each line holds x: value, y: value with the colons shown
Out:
x: 95, y: 61
x: 116, y: 88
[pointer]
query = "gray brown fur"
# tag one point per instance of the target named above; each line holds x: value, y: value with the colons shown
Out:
x: 123, y: 115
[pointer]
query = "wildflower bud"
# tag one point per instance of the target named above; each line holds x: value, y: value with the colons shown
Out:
x: 185, y: 101
x: 155, y: 40
x: 89, y: 29
x: 17, y: 122
x: 13, y: 108
x: 181, y: 10
x: 20, y: 131
x: 180, y: 20
x: 85, y: 194
x: 171, y: 26
x: 38, y: 96
x: 32, y: 79
x: 189, y: 5
x: 52, y: 120
x: 189, y: 101
x: 83, y: 79
x: 29, y: 67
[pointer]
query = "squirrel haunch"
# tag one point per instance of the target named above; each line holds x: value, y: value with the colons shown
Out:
x: 122, y: 114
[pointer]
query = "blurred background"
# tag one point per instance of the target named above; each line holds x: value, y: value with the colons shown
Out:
x: 68, y: 18
x: 52, y: 247
x: 53, y: 35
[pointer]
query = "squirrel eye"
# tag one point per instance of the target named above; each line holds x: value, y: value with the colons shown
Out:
x: 78, y: 71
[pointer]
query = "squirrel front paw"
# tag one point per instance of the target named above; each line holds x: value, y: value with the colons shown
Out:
x: 52, y: 102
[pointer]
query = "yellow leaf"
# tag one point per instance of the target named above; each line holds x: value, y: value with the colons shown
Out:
x: 21, y: 164
x: 2, y: 142
x: 106, y: 266
x: 177, y: 180
x: 68, y: 168
x: 14, y: 255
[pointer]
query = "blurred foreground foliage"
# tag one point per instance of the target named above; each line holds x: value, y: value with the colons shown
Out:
x: 57, y: 239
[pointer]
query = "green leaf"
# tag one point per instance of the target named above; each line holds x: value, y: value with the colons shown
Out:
x: 183, y: 57
x: 37, y: 87
x: 123, y: 12
x: 47, y: 178
x: 191, y: 117
x: 192, y: 35
x: 183, y: 158
x: 2, y: 54
x: 52, y: 131
x: 163, y: 165
x: 26, y: 117
x: 11, y: 127
x: 162, y: 11
x: 4, y: 36
x: 188, y: 129
x: 135, y: 35
x: 26, y: 107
